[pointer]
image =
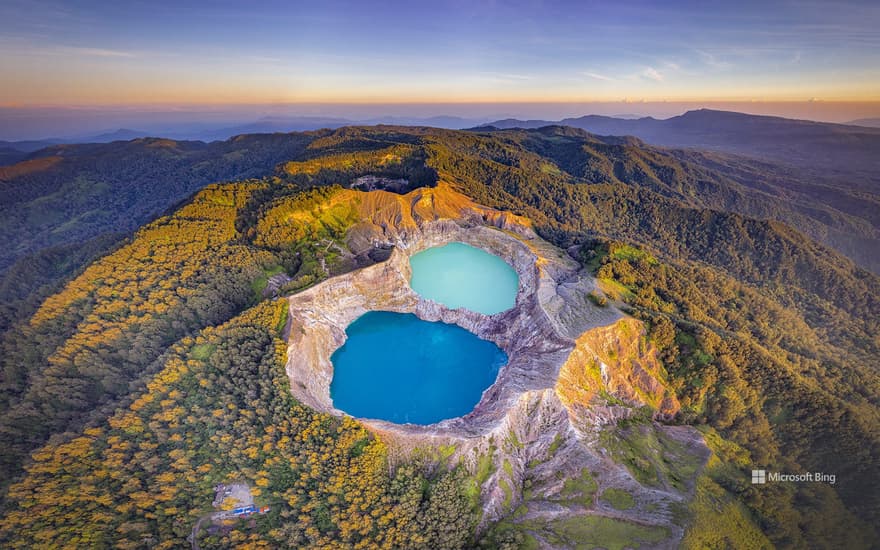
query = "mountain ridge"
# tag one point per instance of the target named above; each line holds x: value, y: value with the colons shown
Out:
x: 818, y: 147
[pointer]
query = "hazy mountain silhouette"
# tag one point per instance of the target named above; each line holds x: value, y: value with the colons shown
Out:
x: 868, y: 122
x: 831, y: 148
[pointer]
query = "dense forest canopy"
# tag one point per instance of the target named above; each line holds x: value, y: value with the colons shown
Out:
x: 129, y: 364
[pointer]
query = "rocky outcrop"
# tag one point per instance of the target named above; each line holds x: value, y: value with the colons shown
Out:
x: 573, y: 367
x: 613, y: 361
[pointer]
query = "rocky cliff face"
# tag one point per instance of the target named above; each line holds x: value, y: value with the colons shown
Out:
x: 613, y: 361
x: 574, y: 368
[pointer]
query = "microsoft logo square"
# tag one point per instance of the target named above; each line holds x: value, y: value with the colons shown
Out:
x: 759, y: 476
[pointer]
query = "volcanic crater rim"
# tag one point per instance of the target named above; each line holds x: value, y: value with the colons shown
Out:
x: 536, y: 342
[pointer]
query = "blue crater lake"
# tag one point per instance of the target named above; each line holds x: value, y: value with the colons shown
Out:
x: 462, y: 276
x: 397, y: 367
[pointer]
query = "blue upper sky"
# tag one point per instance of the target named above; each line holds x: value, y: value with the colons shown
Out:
x: 141, y: 52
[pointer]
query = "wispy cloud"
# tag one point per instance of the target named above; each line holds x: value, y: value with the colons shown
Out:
x: 91, y: 52
x: 598, y: 76
x: 505, y: 77
x: 712, y: 60
x: 22, y: 45
x: 652, y: 74
x: 261, y: 59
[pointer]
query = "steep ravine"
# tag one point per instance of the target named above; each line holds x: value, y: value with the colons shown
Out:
x: 574, y: 371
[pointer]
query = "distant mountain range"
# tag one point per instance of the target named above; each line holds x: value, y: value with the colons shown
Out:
x: 13, y: 151
x: 29, y: 146
x: 823, y: 149
x: 832, y: 149
x: 869, y: 122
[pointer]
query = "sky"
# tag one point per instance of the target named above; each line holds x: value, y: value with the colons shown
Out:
x: 202, y: 55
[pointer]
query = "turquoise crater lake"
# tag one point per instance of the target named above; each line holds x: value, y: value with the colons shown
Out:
x: 462, y: 276
x: 399, y: 368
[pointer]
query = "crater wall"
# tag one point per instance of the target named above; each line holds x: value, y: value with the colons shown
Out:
x: 573, y: 367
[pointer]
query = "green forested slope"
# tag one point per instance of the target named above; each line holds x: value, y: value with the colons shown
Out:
x: 218, y: 410
x: 769, y: 338
x: 71, y: 193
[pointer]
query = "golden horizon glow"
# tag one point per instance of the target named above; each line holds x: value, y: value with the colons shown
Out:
x: 337, y: 53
